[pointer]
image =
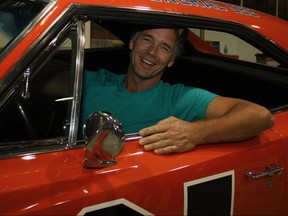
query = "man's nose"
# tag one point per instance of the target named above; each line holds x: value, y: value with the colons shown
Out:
x: 152, y: 49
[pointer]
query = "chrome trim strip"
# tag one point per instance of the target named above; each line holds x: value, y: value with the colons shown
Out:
x: 75, y: 112
x: 132, y: 136
x: 43, y: 146
x: 279, y: 109
x: 23, y: 34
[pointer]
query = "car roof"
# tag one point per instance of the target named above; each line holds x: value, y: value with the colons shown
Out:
x: 270, y: 26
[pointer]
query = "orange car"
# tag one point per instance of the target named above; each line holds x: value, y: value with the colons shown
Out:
x: 48, y: 168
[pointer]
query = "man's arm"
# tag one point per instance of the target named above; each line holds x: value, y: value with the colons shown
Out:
x: 227, y: 120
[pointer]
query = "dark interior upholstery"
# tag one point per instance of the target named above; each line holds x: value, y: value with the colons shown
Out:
x: 229, y: 79
x: 113, y: 59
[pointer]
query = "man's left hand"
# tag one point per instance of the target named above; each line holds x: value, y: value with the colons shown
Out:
x: 168, y: 136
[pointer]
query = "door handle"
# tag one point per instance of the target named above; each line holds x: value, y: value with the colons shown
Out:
x: 271, y: 169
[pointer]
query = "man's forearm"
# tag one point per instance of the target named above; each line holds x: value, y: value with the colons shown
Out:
x: 240, y: 123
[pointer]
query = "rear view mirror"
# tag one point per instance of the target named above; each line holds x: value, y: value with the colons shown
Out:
x: 105, y: 139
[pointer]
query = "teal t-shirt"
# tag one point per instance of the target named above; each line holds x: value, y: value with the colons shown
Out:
x: 105, y: 91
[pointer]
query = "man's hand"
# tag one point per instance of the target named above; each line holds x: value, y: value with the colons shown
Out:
x: 167, y: 136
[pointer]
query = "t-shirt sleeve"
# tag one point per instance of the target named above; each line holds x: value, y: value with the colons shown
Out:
x: 191, y: 103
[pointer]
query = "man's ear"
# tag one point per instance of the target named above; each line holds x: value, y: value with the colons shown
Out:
x: 131, y: 43
x: 171, y: 62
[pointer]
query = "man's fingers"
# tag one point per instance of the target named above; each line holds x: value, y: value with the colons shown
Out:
x: 161, y: 146
x: 155, y: 129
x: 154, y: 138
x: 161, y: 127
x: 166, y: 150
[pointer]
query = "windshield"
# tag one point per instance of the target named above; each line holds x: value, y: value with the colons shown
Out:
x: 15, y: 15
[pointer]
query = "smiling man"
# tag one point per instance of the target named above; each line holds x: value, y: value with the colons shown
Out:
x: 149, y: 57
x: 170, y: 118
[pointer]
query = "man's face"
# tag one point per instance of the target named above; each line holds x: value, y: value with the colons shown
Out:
x: 152, y: 51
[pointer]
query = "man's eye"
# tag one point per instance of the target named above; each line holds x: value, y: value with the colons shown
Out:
x: 146, y: 39
x: 165, y: 49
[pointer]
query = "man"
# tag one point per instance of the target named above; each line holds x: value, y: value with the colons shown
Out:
x: 170, y: 118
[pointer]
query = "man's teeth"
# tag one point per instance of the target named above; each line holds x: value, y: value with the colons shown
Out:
x: 147, y: 62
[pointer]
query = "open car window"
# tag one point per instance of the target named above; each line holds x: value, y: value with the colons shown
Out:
x: 212, y: 59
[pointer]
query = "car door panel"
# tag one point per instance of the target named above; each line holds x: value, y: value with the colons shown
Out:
x: 57, y: 181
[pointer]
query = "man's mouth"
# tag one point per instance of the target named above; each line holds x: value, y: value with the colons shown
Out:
x: 148, y: 62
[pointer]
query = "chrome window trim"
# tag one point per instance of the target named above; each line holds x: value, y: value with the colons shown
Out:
x: 20, y: 149
x: 23, y: 34
x: 75, y: 110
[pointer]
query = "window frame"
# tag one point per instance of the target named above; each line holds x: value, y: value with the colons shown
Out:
x: 45, y: 51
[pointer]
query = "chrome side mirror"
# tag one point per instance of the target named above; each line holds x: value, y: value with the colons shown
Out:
x: 105, y: 139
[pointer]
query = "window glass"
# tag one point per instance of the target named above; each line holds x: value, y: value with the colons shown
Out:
x: 46, y: 112
x: 15, y: 16
x: 230, y: 46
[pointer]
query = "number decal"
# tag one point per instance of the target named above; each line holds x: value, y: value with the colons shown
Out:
x: 114, y: 207
x: 204, y: 196
x: 210, y: 195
